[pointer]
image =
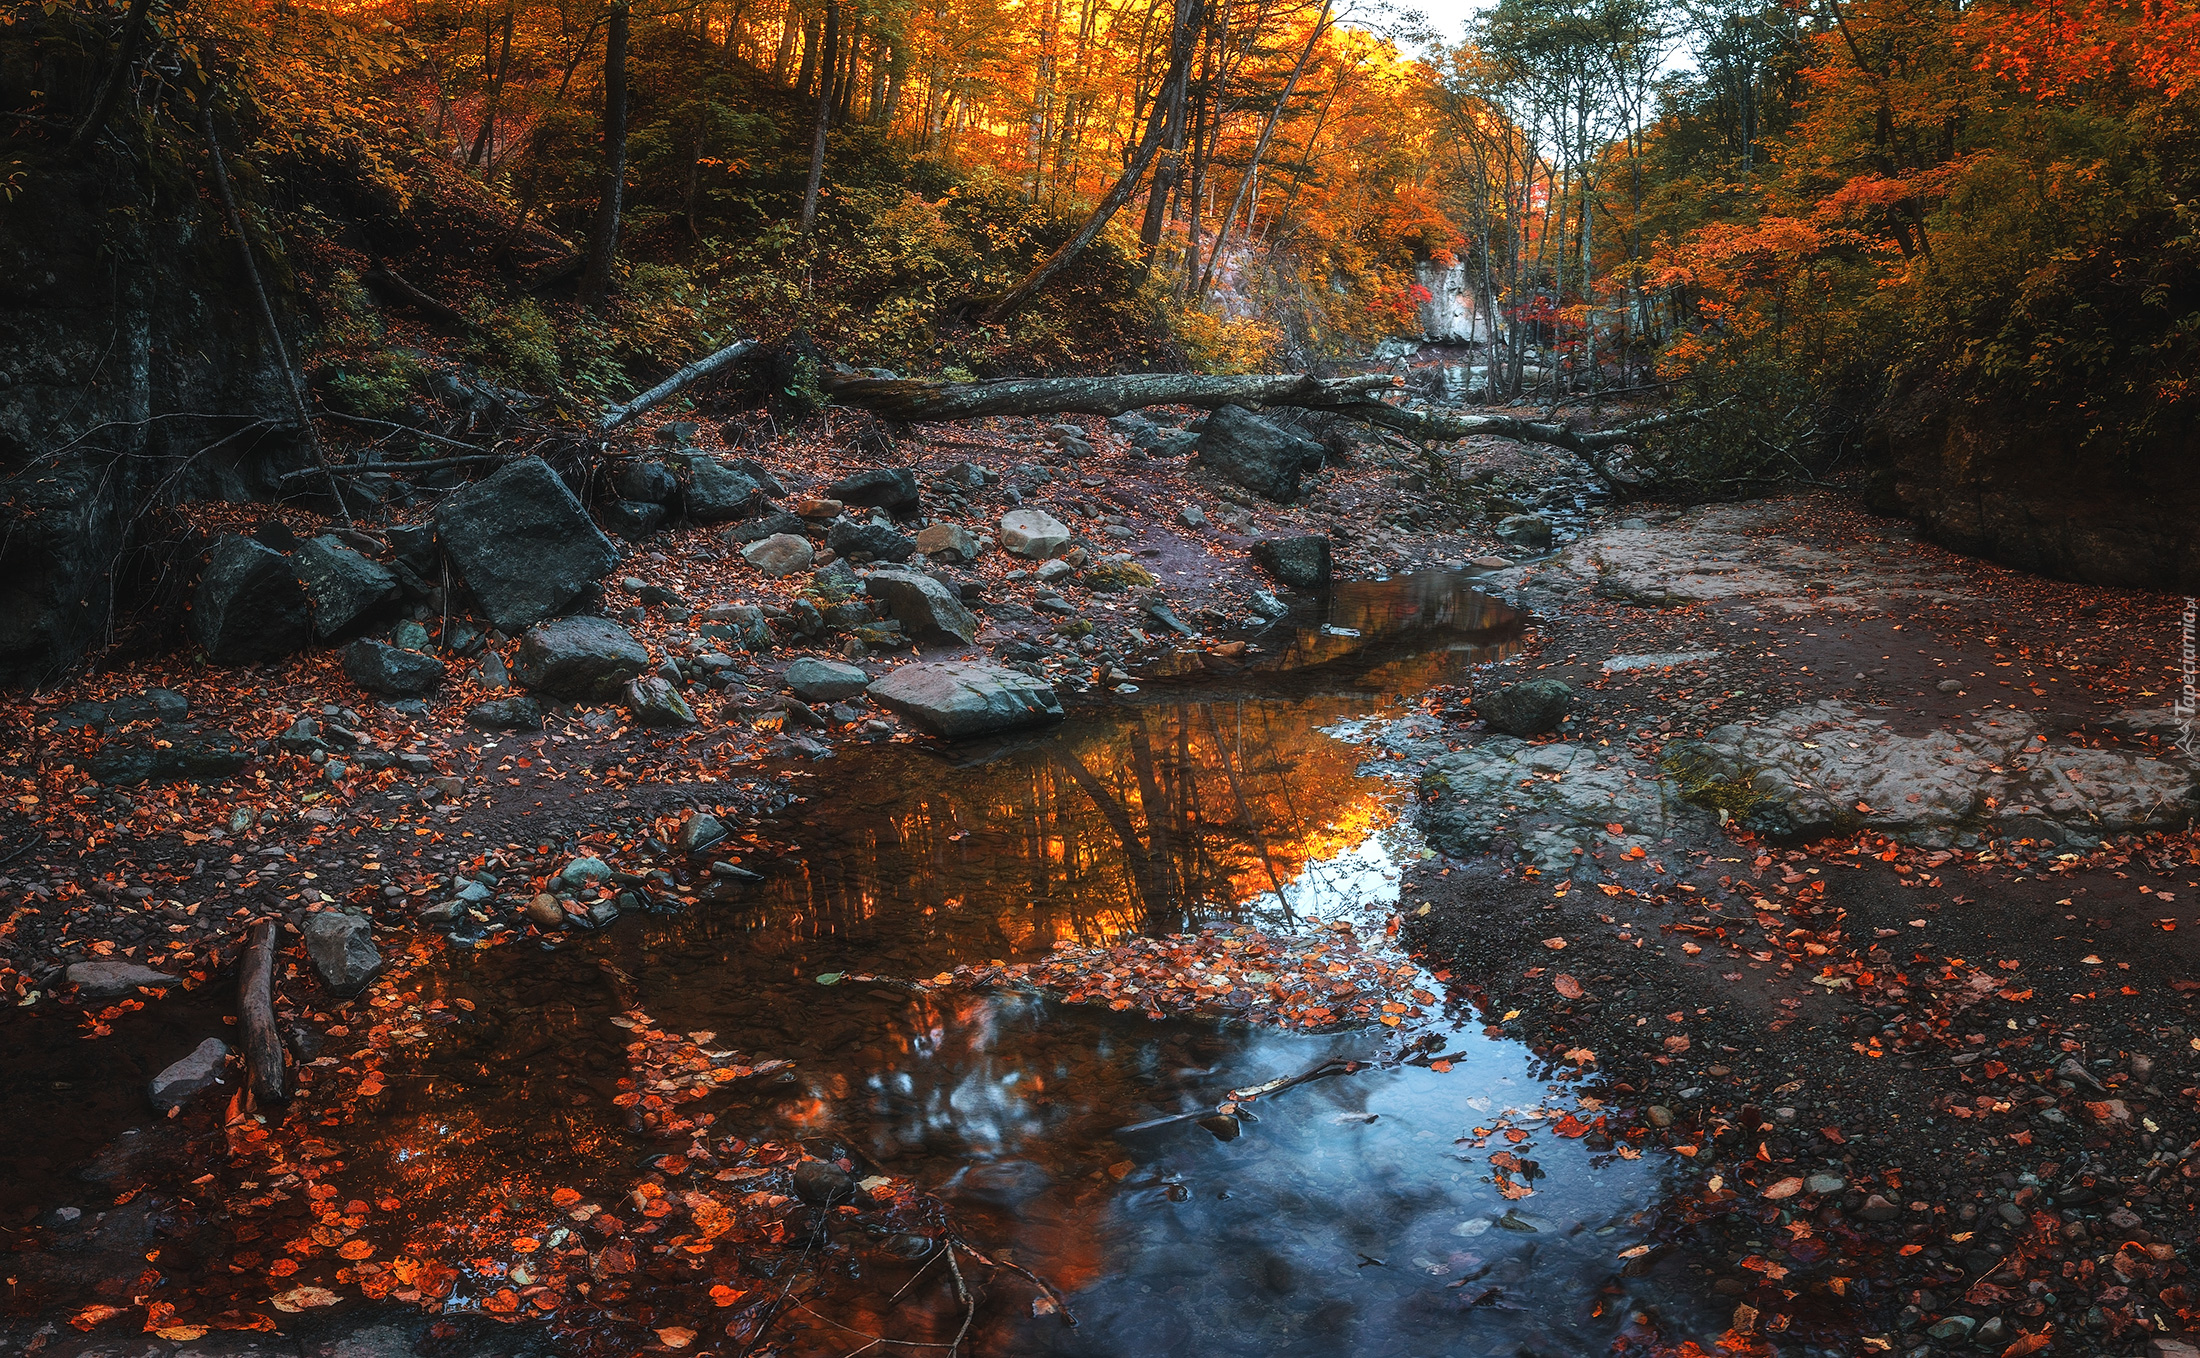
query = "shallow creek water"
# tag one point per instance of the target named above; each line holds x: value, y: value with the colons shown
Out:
x: 1350, y: 1216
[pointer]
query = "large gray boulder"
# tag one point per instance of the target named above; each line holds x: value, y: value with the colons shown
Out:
x: 874, y: 540
x: 1033, y: 534
x: 522, y: 543
x: 342, y: 948
x: 1300, y: 562
x: 341, y: 585
x: 717, y: 492
x: 1537, y: 707
x: 181, y: 1081
x: 391, y: 671
x: 893, y: 489
x: 825, y: 681
x: 1261, y: 456
x: 924, y: 606
x: 249, y: 605
x: 958, y: 698
x: 583, y: 659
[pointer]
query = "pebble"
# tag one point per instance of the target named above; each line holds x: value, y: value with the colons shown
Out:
x: 545, y: 912
x: 1950, y: 686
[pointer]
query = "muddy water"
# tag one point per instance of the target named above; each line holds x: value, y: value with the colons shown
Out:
x: 1351, y: 1215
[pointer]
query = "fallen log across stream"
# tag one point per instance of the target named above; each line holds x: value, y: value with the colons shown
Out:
x: 918, y: 400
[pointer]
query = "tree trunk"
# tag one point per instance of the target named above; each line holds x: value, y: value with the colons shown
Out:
x: 110, y: 89
x: 1180, y: 66
x: 603, y: 236
x: 263, y: 1043
x: 824, y: 123
x: 1260, y: 148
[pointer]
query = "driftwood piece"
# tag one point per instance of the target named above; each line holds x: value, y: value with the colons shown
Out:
x: 263, y: 1043
x: 671, y: 386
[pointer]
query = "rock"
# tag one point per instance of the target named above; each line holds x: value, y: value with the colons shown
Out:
x: 410, y: 636
x: 584, y: 872
x: 646, y: 479
x: 1532, y: 531
x: 874, y: 540
x: 742, y: 624
x: 717, y: 492
x: 522, y: 543
x: 1113, y: 577
x: 1552, y: 801
x: 544, y: 912
x: 341, y: 585
x: 201, y: 1070
x: 1823, y: 1184
x: 948, y: 542
x: 759, y: 473
x: 583, y: 659
x: 1192, y: 516
x: 517, y: 713
x: 1826, y: 768
x: 653, y: 702
x: 780, y: 554
x: 1877, y: 1208
x: 823, y: 511
x: 1268, y: 605
x: 955, y: 699
x: 1258, y: 454
x: 1950, y: 686
x: 248, y: 606
x: 893, y: 489
x: 391, y: 671
x: 836, y: 582
x: 821, y: 1183
x: 633, y: 520
x: 1956, y: 1328
x: 925, y: 608
x: 413, y: 544
x: 170, y: 755
x: 1534, y: 708
x: 771, y: 525
x: 2170, y: 1346
x: 700, y: 833
x: 342, y: 948
x: 1300, y: 562
x: 1490, y: 563
x: 1033, y: 534
x: 825, y: 681
x: 104, y: 978
x: 1053, y: 571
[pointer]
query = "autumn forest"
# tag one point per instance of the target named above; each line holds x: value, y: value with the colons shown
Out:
x: 1099, y: 678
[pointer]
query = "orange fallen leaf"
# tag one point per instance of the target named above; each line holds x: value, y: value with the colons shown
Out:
x: 1567, y: 986
x: 1785, y: 1188
x: 356, y: 1249
x: 676, y: 1337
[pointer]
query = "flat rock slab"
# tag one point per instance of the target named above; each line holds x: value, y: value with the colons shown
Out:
x: 105, y: 978
x: 199, y: 1071
x: 1827, y: 769
x: 957, y: 699
x: 826, y: 681
x: 523, y: 544
x: 1553, y: 800
x: 1660, y: 660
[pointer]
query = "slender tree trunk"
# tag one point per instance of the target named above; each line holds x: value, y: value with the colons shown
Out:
x: 810, y: 33
x: 496, y: 90
x: 824, y: 120
x: 110, y: 89
x: 1180, y: 69
x: 603, y: 236
x: 1260, y: 148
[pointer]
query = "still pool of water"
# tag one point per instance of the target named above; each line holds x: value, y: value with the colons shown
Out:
x: 1354, y: 1214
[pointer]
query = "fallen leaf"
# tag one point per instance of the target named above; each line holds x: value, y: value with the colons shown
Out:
x: 302, y: 1299
x: 1785, y: 1188
x: 1554, y: 943
x: 1567, y: 986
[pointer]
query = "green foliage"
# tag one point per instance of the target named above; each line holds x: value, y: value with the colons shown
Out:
x: 377, y: 384
x: 518, y: 343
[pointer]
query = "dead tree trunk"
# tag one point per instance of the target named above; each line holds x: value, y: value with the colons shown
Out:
x: 263, y: 1044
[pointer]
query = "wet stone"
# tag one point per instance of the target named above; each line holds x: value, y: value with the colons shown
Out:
x: 391, y: 671
x: 956, y: 699
x: 584, y: 659
x: 545, y: 912
x: 522, y: 543
x: 342, y: 948
x: 105, y: 978
x: 1302, y: 563
x: 654, y: 702
x: 873, y: 540
x: 815, y: 680
x: 201, y: 1070
x: 341, y: 585
x: 923, y: 606
x: 822, y: 1184
x: 249, y: 605
x: 1532, y: 531
x: 1534, y: 708
x: 888, y: 488
x: 717, y: 492
x: 519, y: 713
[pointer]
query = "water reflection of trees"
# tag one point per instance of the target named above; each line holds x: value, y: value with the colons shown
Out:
x: 1151, y: 819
